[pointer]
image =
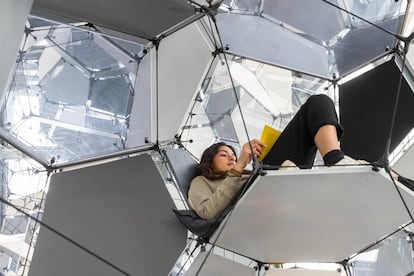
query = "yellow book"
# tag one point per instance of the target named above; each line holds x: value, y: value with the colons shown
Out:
x: 269, y: 137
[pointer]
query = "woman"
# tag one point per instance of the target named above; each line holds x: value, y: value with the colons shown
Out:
x: 221, y: 174
x: 220, y: 178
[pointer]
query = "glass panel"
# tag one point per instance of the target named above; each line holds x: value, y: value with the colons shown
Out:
x: 72, y: 93
x: 23, y: 185
x: 348, y: 42
x: 267, y: 95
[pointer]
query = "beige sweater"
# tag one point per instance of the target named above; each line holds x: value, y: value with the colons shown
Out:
x: 208, y: 197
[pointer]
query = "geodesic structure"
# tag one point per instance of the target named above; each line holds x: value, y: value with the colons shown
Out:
x: 94, y: 92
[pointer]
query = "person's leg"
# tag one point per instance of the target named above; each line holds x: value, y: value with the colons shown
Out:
x: 326, y: 139
x: 305, y: 132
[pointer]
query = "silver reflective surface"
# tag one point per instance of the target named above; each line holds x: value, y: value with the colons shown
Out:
x: 341, y: 35
x: 23, y: 185
x: 72, y: 93
x: 266, y: 95
x: 393, y: 256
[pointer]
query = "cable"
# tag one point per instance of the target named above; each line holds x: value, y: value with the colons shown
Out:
x: 399, y: 194
x: 64, y: 237
x: 188, y: 258
x: 254, y: 157
x: 366, y: 21
x: 36, y: 224
x: 376, y: 243
x: 384, y: 159
x: 384, y: 162
x: 220, y: 229
x: 244, y: 123
x: 188, y: 120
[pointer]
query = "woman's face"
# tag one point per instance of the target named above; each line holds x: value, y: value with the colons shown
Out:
x: 224, y: 160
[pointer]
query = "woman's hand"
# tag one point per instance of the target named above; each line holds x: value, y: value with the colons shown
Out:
x: 246, y: 153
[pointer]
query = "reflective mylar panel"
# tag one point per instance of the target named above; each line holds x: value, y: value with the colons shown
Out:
x: 23, y: 184
x: 265, y: 94
x: 392, y: 256
x: 72, y: 93
x: 340, y: 35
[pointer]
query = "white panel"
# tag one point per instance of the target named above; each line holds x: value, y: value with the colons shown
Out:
x: 121, y: 211
x: 13, y: 15
x: 322, y: 215
x: 184, y: 58
x: 216, y: 265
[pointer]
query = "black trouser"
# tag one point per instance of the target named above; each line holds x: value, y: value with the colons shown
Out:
x: 296, y: 142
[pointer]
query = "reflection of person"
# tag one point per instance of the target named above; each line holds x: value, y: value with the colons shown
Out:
x: 221, y: 174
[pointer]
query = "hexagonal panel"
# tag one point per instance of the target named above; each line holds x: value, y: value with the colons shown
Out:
x: 325, y: 215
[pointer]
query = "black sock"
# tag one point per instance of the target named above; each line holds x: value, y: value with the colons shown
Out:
x: 332, y: 157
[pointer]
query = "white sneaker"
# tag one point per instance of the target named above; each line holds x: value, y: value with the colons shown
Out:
x: 348, y: 161
x: 288, y: 165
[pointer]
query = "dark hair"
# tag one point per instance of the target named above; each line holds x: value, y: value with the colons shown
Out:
x: 205, y: 168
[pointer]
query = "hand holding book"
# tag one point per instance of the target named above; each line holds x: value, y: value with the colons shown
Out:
x: 269, y: 137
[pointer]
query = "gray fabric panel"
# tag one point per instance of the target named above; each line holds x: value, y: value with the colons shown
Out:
x: 144, y: 18
x: 183, y: 167
x: 322, y: 215
x: 121, y: 211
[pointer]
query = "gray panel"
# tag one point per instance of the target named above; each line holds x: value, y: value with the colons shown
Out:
x: 183, y: 167
x: 323, y: 215
x: 144, y: 18
x: 121, y: 211
x: 216, y: 265
x: 259, y: 39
